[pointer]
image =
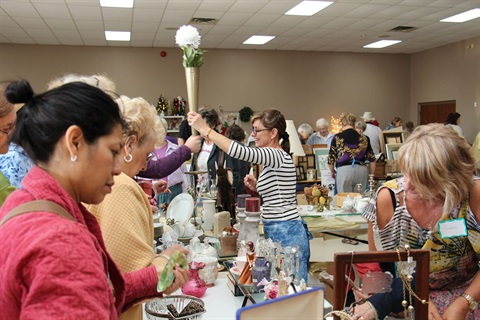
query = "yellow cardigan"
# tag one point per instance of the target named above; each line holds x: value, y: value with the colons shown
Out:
x: 126, y: 221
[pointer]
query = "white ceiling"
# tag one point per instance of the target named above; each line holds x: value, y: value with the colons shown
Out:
x: 345, y: 26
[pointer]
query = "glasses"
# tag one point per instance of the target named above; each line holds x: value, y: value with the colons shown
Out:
x: 8, y: 131
x: 255, y: 131
x: 150, y: 156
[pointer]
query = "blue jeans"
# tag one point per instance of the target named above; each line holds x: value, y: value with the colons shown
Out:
x: 291, y: 233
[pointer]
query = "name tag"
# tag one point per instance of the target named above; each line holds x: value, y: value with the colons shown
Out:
x: 452, y: 228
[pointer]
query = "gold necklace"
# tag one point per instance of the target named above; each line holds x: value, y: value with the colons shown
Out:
x: 405, y: 271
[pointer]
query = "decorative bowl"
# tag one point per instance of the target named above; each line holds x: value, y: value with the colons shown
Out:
x: 156, y: 309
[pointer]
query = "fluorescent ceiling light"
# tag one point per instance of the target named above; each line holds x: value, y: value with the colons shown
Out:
x: 382, y: 44
x: 258, y: 39
x: 465, y: 16
x: 117, y: 3
x: 117, y: 35
x: 308, y: 8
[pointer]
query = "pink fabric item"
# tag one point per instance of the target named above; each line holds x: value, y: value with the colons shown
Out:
x: 52, y: 268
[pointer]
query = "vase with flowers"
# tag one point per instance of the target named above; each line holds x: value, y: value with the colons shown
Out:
x: 317, y: 195
x: 188, y: 39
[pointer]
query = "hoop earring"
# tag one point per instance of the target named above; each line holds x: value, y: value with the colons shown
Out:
x: 128, y: 158
x: 73, y: 158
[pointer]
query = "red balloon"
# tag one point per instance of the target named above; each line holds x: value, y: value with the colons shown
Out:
x: 163, y: 54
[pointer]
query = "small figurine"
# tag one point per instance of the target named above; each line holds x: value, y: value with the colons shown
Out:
x: 179, y: 106
x: 246, y: 275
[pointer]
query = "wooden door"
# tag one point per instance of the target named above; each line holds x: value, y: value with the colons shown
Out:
x: 436, y: 111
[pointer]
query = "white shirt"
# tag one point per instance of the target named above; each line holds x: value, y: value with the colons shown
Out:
x: 373, y: 132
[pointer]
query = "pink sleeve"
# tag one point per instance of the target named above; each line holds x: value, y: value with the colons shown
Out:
x: 140, y: 285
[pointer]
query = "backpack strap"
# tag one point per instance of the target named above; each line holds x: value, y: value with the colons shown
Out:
x: 36, y: 206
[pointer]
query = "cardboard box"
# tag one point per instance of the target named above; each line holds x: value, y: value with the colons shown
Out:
x: 391, y: 166
x: 380, y: 169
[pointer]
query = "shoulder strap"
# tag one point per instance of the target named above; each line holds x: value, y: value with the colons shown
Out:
x: 36, y: 206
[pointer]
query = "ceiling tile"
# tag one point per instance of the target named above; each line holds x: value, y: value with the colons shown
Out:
x: 54, y: 11
x: 86, y: 13
x: 117, y: 14
x: 19, y: 9
x: 31, y: 22
x: 61, y: 24
x: 118, y: 26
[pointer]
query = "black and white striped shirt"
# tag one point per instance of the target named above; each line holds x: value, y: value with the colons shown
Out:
x: 276, y: 183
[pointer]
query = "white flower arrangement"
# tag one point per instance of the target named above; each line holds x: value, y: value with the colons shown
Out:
x: 188, y: 39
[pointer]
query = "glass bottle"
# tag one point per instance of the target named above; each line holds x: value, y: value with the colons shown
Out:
x: 195, y: 286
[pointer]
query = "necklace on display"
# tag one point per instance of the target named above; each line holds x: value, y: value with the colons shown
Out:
x: 405, y: 272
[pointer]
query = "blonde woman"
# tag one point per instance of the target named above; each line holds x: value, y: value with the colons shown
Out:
x: 125, y: 216
x: 438, y: 189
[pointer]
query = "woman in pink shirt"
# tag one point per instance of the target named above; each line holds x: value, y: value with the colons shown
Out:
x: 52, y: 266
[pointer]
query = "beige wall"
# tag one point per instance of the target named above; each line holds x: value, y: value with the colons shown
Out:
x: 449, y: 73
x: 303, y: 85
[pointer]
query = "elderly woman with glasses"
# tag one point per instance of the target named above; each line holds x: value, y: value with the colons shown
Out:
x: 7, y: 125
x: 277, y: 181
x: 125, y: 216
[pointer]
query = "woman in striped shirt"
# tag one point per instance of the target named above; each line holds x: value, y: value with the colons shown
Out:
x: 277, y: 181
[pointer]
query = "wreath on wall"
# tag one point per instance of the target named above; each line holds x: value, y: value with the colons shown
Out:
x: 245, y: 114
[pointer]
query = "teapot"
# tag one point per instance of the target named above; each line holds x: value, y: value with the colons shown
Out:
x: 360, y: 204
x: 198, y: 249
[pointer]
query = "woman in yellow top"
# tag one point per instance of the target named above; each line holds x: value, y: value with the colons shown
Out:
x: 7, y: 125
x: 125, y: 215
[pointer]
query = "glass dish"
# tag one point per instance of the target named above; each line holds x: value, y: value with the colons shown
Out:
x: 156, y: 309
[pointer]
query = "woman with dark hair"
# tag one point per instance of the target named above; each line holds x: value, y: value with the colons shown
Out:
x: 53, y: 260
x: 209, y: 156
x: 7, y: 126
x: 277, y: 181
x: 453, y: 120
x: 240, y: 168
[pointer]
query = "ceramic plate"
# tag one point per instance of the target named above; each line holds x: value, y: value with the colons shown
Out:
x: 181, y: 208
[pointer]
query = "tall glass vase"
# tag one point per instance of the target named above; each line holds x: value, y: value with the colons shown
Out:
x: 192, y: 75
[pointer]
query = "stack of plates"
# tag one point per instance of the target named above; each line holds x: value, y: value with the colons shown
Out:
x: 181, y: 208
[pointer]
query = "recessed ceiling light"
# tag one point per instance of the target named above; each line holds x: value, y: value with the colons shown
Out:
x: 382, y: 44
x: 117, y: 35
x: 258, y: 39
x: 465, y: 16
x: 117, y: 3
x: 308, y: 8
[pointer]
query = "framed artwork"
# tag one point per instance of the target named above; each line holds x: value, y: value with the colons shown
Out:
x: 300, y: 173
x: 321, y: 160
x: 392, y: 150
x: 391, y: 137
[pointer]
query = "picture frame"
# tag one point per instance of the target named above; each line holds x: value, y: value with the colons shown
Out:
x: 392, y: 137
x: 392, y: 150
x: 342, y: 261
x: 321, y: 160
